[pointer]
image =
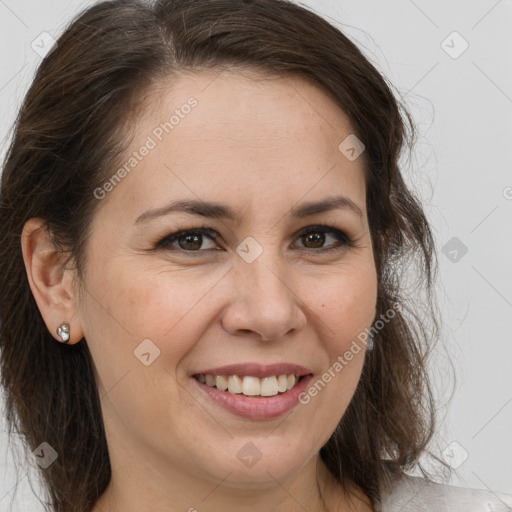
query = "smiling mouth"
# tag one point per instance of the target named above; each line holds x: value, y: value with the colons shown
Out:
x: 249, y: 385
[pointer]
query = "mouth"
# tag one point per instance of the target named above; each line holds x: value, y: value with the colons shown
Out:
x: 253, y: 391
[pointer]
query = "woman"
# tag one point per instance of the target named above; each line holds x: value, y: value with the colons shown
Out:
x: 202, y: 204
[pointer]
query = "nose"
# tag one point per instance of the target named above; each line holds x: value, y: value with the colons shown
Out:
x: 263, y: 301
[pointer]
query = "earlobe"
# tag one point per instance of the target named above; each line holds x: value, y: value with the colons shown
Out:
x: 50, y: 281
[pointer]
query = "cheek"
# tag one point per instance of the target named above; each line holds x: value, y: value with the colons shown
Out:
x: 169, y: 307
x: 345, y: 304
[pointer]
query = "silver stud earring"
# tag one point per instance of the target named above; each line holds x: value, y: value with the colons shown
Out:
x: 63, y: 332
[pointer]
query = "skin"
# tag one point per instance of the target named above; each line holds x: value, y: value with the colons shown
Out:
x: 262, y: 147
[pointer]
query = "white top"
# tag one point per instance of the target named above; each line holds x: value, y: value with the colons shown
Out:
x: 416, y: 494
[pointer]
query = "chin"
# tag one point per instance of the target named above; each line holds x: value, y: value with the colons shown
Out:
x: 259, y: 468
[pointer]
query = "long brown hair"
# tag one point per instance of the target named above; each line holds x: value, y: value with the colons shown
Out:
x: 71, y: 132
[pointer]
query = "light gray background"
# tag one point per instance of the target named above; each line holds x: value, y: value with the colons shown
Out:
x: 461, y: 167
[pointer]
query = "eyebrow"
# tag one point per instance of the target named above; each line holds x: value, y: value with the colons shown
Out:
x: 220, y: 211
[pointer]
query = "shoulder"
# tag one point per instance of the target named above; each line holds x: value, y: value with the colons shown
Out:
x: 418, y: 494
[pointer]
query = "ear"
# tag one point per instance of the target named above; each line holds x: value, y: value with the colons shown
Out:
x: 52, y: 284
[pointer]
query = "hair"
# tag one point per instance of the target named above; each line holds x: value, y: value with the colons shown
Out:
x: 70, y: 133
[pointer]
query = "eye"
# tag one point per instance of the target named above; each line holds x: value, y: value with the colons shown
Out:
x: 189, y: 240
x: 313, y: 238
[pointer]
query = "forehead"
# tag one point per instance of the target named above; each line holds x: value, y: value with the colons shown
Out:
x: 212, y: 133
x: 245, y: 106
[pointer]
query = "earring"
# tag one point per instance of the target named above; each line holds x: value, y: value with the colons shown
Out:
x: 63, y: 332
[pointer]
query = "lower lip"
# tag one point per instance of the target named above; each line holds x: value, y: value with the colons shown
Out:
x: 258, y: 408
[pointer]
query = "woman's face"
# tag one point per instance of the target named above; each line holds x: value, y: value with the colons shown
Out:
x: 260, y: 287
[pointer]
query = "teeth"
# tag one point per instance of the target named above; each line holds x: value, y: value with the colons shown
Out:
x: 221, y: 382
x: 234, y: 384
x: 249, y: 385
x: 282, y: 383
x: 269, y: 386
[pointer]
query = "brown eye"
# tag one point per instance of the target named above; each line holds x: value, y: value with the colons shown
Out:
x: 191, y: 240
x: 315, y: 237
x: 314, y: 240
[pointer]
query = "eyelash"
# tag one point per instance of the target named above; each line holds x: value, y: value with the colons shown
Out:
x: 344, y: 240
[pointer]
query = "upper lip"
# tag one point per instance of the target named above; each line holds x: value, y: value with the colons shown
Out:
x: 257, y: 370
